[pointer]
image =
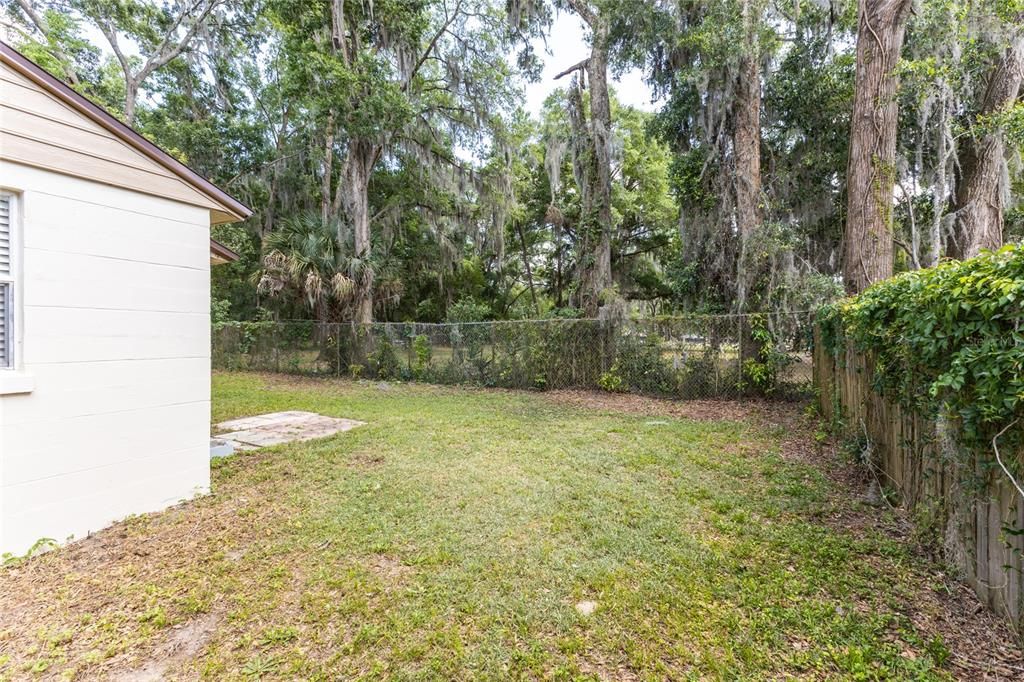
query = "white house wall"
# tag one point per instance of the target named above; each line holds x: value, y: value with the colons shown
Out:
x: 116, y: 322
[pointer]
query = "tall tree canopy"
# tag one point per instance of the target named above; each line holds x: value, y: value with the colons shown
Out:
x: 394, y: 175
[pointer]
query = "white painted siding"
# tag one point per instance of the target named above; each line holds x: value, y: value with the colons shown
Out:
x: 116, y: 335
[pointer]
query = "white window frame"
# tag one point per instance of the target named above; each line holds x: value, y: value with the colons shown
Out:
x: 12, y: 322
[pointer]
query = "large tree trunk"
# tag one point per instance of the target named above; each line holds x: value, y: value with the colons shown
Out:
x: 600, y: 127
x: 944, y: 150
x: 275, y: 179
x: 592, y: 163
x: 583, y: 172
x: 558, y: 266
x: 747, y: 150
x: 352, y: 194
x: 750, y: 263
x: 131, y: 96
x: 356, y: 204
x: 980, y: 192
x: 526, y: 265
x: 327, y: 170
x: 871, y: 173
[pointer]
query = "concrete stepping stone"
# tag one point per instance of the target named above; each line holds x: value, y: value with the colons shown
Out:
x: 250, y: 433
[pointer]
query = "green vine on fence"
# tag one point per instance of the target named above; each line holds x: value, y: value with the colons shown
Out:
x: 947, y: 337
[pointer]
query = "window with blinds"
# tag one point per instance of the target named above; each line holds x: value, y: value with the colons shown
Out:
x: 6, y: 283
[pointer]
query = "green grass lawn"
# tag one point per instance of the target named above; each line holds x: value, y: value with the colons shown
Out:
x: 454, y: 536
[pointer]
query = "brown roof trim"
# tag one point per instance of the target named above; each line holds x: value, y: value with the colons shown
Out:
x: 220, y: 251
x: 133, y: 139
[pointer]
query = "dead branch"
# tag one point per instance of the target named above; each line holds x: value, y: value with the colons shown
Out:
x: 579, y: 66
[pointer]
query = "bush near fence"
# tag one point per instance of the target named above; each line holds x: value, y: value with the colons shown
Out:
x: 708, y: 356
x: 925, y: 373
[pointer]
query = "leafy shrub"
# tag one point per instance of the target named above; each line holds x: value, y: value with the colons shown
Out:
x: 763, y: 371
x: 611, y: 381
x: 469, y: 342
x: 220, y: 311
x: 638, y: 357
x: 422, y: 351
x: 948, y: 337
x: 521, y: 357
x: 468, y: 310
x: 252, y: 341
x: 700, y: 375
x: 384, y: 361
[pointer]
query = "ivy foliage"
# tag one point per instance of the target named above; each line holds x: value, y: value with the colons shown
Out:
x: 948, y: 337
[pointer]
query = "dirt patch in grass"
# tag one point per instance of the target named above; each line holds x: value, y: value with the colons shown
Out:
x: 388, y: 568
x: 697, y: 410
x: 365, y: 459
x: 608, y: 671
x: 142, y: 589
x: 180, y: 646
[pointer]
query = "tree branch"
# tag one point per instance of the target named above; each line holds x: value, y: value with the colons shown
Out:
x: 168, y: 50
x: 579, y: 66
x: 584, y: 10
x: 43, y: 26
x: 111, y: 35
x: 449, y: 20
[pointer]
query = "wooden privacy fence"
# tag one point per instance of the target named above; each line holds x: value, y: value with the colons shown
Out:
x: 965, y: 501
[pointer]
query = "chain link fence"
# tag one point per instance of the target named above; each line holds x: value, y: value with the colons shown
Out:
x: 706, y: 356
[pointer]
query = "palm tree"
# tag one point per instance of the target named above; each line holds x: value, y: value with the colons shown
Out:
x: 311, y: 259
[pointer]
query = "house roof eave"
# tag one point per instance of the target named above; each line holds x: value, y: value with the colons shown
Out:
x: 231, y: 209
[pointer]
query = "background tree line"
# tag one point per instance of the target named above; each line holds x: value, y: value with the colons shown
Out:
x: 799, y: 149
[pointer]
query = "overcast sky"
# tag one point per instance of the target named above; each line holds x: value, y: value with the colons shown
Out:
x: 568, y: 45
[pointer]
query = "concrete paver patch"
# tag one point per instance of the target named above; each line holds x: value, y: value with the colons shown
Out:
x: 250, y: 433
